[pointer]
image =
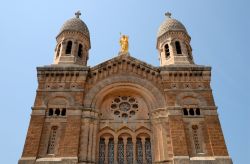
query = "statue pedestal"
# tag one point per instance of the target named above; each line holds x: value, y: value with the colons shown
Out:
x: 124, y: 53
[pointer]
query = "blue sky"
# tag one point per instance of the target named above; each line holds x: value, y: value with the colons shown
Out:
x: 220, y: 32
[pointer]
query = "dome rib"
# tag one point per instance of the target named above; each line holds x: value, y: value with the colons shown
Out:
x: 170, y: 24
x: 75, y: 24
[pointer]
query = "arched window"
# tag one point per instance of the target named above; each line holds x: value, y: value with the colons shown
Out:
x: 148, y: 151
x: 58, y: 50
x: 129, y: 151
x: 102, y: 151
x: 191, y: 111
x: 79, y: 51
x: 185, y: 111
x: 120, y: 151
x: 197, y: 111
x: 139, y: 152
x: 63, y: 112
x: 57, y: 112
x: 167, y: 52
x: 69, y: 47
x: 52, y: 140
x: 178, y: 47
x: 51, y: 112
x: 111, y: 151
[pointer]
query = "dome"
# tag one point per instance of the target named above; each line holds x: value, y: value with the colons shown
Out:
x: 75, y: 24
x: 170, y: 24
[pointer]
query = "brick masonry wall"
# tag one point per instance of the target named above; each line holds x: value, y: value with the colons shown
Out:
x: 71, y: 137
x: 216, y: 137
x: 33, y: 136
x: 178, y: 136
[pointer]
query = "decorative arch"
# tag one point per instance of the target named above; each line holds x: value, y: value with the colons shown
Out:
x: 192, y: 96
x: 68, y: 99
x: 106, y: 130
x: 125, y: 130
x: 152, y: 94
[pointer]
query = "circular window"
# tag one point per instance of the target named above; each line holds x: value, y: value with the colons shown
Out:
x: 113, y: 106
x: 117, y: 112
x: 124, y: 115
x: 131, y: 100
x: 117, y: 100
x: 124, y: 97
x: 135, y: 105
x: 132, y: 112
x: 124, y: 106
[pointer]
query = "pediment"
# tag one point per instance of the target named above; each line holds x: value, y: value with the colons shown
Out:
x: 124, y: 64
x: 121, y: 59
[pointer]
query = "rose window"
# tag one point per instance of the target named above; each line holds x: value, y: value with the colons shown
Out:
x: 124, y: 106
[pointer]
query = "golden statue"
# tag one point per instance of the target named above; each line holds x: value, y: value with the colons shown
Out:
x: 124, y: 43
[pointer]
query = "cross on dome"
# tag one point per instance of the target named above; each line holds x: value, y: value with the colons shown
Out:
x: 168, y: 14
x: 78, y: 13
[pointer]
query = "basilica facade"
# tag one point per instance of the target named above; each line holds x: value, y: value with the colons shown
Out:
x: 124, y: 111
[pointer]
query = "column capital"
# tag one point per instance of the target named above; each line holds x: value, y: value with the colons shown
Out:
x: 106, y: 139
x: 125, y: 140
x: 143, y: 139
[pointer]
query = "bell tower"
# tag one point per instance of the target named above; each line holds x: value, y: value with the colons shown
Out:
x: 173, y: 43
x: 73, y: 42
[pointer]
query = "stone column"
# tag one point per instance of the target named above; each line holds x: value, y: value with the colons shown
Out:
x: 84, y: 140
x: 97, y: 149
x: 156, y: 152
x: 134, y: 150
x: 164, y: 139
x: 94, y: 142
x: 125, y: 149
x: 63, y: 48
x: 106, y: 149
x: 89, y: 156
x: 115, y: 150
x: 160, y: 142
x: 74, y: 49
x: 143, y: 149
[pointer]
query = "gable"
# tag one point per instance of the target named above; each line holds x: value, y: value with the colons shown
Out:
x: 123, y: 64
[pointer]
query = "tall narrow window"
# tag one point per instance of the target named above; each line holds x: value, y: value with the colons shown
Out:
x: 111, y: 151
x: 79, y: 51
x: 129, y: 151
x: 69, y: 47
x: 139, y: 152
x: 148, y: 151
x: 178, y: 47
x: 167, y: 52
x: 58, y: 50
x: 196, y: 139
x: 57, y: 112
x: 120, y: 151
x: 101, y: 151
x: 185, y: 111
x: 51, y: 112
x: 63, y: 112
x: 52, y: 140
x: 191, y: 111
x: 197, y: 111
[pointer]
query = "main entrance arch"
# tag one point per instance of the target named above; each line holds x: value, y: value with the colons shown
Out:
x: 124, y: 133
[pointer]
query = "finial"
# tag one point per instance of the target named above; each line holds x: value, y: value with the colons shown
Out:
x: 168, y: 14
x: 78, y: 13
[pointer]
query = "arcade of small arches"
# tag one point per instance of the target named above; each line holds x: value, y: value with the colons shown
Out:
x: 125, y: 147
x: 68, y: 50
x: 178, y: 49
